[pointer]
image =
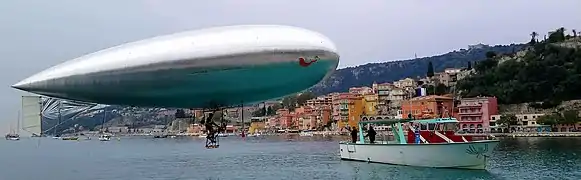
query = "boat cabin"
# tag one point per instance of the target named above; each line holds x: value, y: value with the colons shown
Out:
x: 417, y: 131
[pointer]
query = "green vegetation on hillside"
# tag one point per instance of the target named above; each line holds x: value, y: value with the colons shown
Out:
x: 547, y: 71
x: 365, y: 75
x: 567, y: 117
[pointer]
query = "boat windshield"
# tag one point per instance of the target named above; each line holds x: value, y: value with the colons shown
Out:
x: 438, y: 126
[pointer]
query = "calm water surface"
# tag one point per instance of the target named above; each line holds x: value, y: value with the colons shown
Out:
x: 266, y: 158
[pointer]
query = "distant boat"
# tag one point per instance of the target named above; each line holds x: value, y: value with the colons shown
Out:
x: 70, y: 138
x: 160, y: 136
x: 14, y: 136
x: 105, y: 137
x: 306, y: 133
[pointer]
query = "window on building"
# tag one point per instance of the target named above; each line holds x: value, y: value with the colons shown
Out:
x: 525, y: 117
x: 493, y: 118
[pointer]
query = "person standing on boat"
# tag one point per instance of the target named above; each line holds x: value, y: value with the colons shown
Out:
x: 353, y: 132
x: 371, y: 134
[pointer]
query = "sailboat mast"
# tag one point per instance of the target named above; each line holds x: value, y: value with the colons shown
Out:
x: 18, y: 123
x: 59, y: 117
x: 103, y: 121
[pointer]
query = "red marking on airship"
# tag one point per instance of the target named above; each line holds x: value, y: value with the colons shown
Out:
x: 304, y: 62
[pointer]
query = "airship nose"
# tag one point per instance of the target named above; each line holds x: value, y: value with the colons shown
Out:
x: 22, y: 86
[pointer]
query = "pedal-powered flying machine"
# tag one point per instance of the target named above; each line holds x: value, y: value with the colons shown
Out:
x: 212, y: 128
x: 225, y: 65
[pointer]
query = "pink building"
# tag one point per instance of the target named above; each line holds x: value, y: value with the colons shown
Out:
x: 474, y: 113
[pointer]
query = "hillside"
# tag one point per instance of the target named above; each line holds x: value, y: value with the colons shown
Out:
x: 547, y: 71
x: 364, y: 75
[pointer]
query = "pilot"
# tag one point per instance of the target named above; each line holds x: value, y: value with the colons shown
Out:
x: 210, y: 128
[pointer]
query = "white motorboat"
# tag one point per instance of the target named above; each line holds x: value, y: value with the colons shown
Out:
x: 104, y: 137
x: 306, y: 133
x: 434, y: 144
x: 12, y: 137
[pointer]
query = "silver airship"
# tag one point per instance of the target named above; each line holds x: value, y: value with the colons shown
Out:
x: 222, y: 66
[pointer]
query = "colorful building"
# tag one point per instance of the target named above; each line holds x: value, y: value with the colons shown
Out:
x: 361, y: 90
x: 320, y: 101
x: 356, y: 108
x: 341, y: 108
x: 474, y: 114
x: 427, y: 107
x: 525, y: 123
x: 371, y: 103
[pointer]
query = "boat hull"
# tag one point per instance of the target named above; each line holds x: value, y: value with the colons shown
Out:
x: 464, y: 155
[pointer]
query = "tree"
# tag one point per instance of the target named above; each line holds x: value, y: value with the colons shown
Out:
x: 574, y: 32
x: 289, y: 102
x: 557, y: 35
x: 490, y: 54
x: 469, y: 65
x: 430, y: 72
x: 570, y: 117
x: 259, y: 112
x: 304, y: 97
x: 180, y: 113
x: 549, y: 119
x: 270, y: 111
x: 508, y: 120
x: 533, y: 38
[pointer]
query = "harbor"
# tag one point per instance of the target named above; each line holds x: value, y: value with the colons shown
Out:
x: 277, y: 157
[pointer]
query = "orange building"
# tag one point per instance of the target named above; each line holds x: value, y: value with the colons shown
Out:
x: 356, y: 109
x: 340, y: 112
x: 326, y: 115
x: 370, y: 103
x: 427, y: 107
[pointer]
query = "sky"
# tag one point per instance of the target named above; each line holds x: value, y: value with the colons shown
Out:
x: 35, y: 35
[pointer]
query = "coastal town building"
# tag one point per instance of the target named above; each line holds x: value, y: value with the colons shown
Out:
x: 340, y: 103
x: 449, y: 76
x: 474, y: 114
x: 370, y: 101
x: 361, y: 90
x: 405, y: 83
x: 320, y: 101
x: 428, y: 106
x: 525, y: 123
x: 383, y: 92
x: 356, y: 108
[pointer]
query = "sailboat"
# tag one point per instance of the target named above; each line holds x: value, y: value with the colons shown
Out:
x: 14, y: 136
x: 103, y: 136
x: 31, y: 115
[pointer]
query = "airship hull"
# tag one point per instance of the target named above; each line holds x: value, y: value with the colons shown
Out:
x: 221, y: 74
